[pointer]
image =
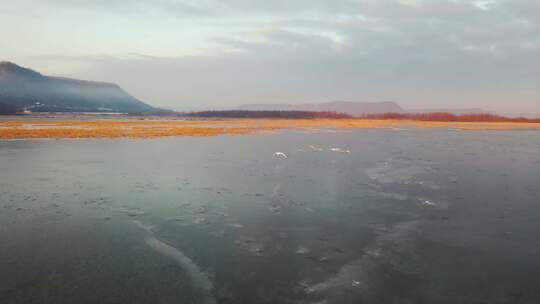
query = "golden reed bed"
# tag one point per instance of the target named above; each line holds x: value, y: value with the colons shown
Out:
x: 159, y: 127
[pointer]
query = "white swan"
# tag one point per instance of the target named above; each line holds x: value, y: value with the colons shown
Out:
x: 280, y: 155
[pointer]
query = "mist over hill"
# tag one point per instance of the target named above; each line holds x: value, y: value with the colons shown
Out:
x: 26, y: 89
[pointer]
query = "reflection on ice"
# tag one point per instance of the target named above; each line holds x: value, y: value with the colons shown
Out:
x: 302, y: 250
x: 199, y: 279
x: 340, y: 150
x: 386, y: 173
x: 315, y: 148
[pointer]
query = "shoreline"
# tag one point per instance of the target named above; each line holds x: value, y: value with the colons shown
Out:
x: 155, y: 127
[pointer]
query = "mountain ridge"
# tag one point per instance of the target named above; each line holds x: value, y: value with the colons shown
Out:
x: 27, y: 89
x: 347, y: 107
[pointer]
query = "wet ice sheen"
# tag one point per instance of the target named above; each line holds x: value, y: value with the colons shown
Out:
x: 385, y: 224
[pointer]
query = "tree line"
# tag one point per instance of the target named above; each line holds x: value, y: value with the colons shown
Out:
x: 448, y: 117
x: 268, y: 114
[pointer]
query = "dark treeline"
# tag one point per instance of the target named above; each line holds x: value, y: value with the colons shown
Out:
x: 437, y: 116
x: 268, y: 114
x: 448, y: 117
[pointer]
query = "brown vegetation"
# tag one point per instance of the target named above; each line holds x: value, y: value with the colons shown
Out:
x: 159, y: 127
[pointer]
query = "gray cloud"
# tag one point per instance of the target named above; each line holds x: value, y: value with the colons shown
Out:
x: 438, y: 53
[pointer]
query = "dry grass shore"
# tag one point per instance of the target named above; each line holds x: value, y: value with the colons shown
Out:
x: 87, y: 127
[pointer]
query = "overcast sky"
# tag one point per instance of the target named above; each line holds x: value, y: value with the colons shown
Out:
x: 194, y: 53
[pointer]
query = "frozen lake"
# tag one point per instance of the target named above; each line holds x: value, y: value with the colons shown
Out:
x: 359, y: 216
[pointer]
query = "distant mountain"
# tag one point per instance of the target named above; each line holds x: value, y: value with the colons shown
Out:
x: 347, y: 107
x: 457, y: 111
x: 26, y: 89
x: 526, y: 115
